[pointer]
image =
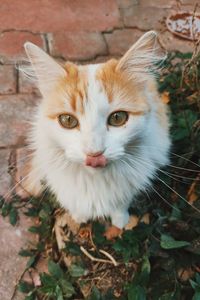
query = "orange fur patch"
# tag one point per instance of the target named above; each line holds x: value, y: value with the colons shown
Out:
x: 117, y: 84
x: 74, y: 85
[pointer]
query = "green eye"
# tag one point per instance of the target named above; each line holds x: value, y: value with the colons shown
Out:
x: 68, y: 121
x: 118, y: 118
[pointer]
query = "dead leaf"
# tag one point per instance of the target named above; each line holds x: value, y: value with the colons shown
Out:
x: 185, y: 275
x: 145, y: 218
x: 85, y: 232
x: 191, y: 195
x: 69, y: 260
x: 133, y: 222
x: 165, y: 97
x: 113, y: 232
x: 63, y: 220
x: 193, y: 98
x: 35, y: 277
x: 85, y: 289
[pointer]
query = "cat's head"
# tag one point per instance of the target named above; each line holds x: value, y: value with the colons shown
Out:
x: 94, y: 111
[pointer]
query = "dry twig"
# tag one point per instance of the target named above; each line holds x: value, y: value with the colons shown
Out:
x: 91, y: 257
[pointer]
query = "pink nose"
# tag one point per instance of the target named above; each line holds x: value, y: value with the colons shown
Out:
x: 95, y: 160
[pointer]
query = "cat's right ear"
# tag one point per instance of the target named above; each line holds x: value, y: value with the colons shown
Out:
x: 43, y: 68
x: 143, y: 58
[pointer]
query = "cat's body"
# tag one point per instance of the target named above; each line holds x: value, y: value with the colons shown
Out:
x: 96, y: 168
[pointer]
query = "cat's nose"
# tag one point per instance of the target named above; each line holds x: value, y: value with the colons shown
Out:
x: 96, y: 159
x: 95, y: 154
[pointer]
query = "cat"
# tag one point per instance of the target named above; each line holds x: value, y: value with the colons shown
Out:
x: 100, y: 131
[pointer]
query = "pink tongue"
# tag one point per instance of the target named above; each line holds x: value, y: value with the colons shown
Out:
x: 96, y: 161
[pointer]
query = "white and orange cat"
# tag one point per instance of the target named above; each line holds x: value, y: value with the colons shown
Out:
x: 100, y: 132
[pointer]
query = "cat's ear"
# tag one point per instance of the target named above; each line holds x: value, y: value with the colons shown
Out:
x: 143, y: 58
x: 44, y: 69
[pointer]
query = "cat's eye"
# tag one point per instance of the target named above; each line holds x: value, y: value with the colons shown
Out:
x: 68, y: 121
x: 118, y: 118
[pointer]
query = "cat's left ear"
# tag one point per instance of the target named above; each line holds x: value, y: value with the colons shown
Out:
x: 43, y: 68
x: 143, y: 58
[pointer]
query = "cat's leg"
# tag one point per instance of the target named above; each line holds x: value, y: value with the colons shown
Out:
x: 119, y: 219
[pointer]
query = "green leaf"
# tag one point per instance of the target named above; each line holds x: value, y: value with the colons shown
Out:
x: 31, y: 212
x: 67, y: 287
x: 43, y: 214
x: 193, y: 284
x: 76, y: 271
x: 25, y: 253
x: 167, y: 296
x: 73, y: 248
x: 34, y: 229
x: 168, y: 242
x: 136, y: 293
x: 31, y: 261
x: 13, y: 216
x: 25, y: 287
x: 98, y: 230
x: 95, y: 295
x: 59, y: 294
x: 197, y: 277
x: 145, y: 271
x: 196, y: 295
x: 6, y: 209
x: 2, y: 200
x: 48, y: 280
x: 55, y: 269
x: 31, y: 296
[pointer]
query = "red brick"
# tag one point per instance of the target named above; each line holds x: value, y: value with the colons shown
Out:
x: 5, y: 181
x: 121, y: 40
x: 158, y: 3
x: 59, y: 15
x: 127, y: 3
x: 144, y: 18
x: 170, y: 42
x: 12, y: 239
x: 7, y: 79
x: 15, y: 112
x: 77, y: 46
x: 188, y: 2
x: 190, y: 8
x: 102, y: 59
x: 11, y: 44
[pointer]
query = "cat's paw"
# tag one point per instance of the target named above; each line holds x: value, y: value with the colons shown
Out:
x: 113, y: 232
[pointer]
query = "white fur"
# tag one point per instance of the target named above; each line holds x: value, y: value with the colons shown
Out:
x: 59, y: 157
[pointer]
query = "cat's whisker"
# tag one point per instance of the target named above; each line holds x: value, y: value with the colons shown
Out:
x: 180, y: 176
x: 174, y: 175
x: 34, y: 170
x: 188, y: 203
x: 183, y: 169
x: 178, y: 180
x: 171, y: 205
x: 18, y: 183
x: 167, y: 202
x: 142, y: 161
x: 13, y: 165
x: 175, y: 154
